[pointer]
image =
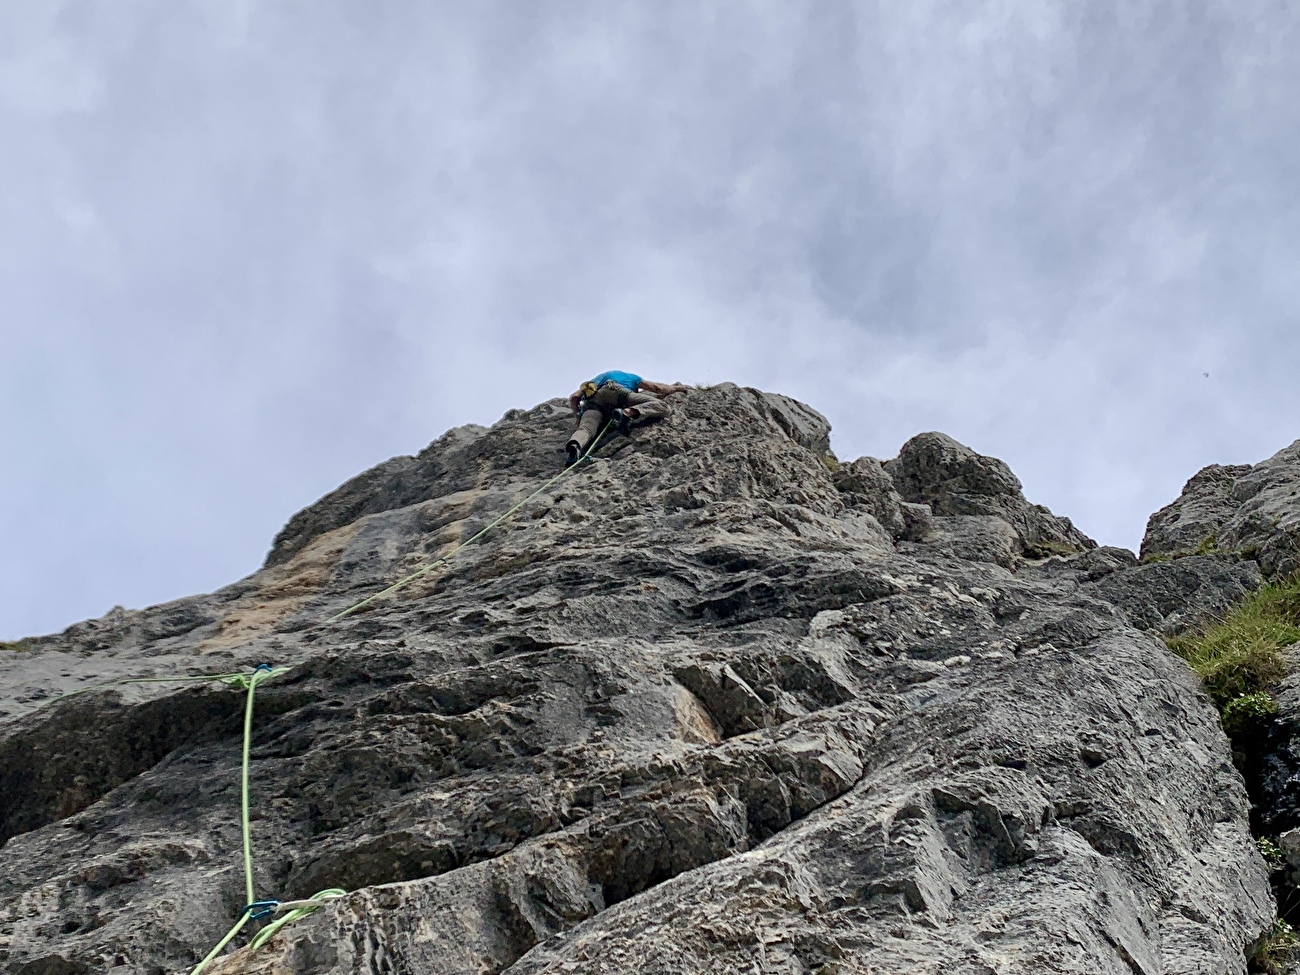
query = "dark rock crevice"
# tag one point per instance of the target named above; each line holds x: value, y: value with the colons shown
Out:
x: 86, y: 747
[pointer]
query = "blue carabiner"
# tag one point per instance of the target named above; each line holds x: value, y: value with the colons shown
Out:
x: 260, y: 909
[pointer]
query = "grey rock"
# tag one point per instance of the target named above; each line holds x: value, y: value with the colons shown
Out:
x: 444, y: 467
x: 1100, y: 562
x: 1193, y: 520
x: 918, y: 521
x: 973, y: 538
x: 952, y: 479
x: 1253, y: 511
x: 706, y: 706
x: 1165, y: 597
x: 865, y: 485
x: 1187, y: 594
x: 1289, y: 842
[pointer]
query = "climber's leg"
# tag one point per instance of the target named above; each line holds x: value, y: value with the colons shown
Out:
x: 642, y: 408
x: 588, y: 426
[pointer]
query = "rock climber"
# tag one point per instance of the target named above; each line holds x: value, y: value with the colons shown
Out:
x: 623, y: 397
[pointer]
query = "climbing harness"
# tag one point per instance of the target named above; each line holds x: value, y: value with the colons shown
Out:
x: 255, y: 909
x: 400, y: 583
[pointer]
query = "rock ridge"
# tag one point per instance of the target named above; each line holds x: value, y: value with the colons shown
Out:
x: 719, y: 702
x: 1251, y: 511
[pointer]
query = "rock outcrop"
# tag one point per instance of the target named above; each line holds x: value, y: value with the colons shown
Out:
x: 716, y: 703
x: 1250, y: 511
x: 1229, y: 529
x: 954, y: 481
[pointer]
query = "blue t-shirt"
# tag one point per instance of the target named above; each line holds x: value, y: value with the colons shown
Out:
x: 628, y: 380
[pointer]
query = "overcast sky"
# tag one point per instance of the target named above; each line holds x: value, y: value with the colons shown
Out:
x: 249, y: 248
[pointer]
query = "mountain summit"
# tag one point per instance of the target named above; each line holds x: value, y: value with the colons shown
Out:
x: 716, y: 702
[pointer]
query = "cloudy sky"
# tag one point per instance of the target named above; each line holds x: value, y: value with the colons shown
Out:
x: 249, y: 248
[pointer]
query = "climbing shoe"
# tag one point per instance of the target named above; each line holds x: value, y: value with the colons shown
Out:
x: 571, y: 453
x: 620, y: 417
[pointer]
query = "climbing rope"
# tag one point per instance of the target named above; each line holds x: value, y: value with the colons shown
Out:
x: 296, y: 909
x: 255, y: 909
x: 443, y: 558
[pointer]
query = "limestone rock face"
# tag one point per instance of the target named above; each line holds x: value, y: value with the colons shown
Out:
x: 935, y: 470
x: 1173, y: 597
x: 713, y: 703
x: 1250, y: 511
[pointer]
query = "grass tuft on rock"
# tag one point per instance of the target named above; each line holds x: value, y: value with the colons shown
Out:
x: 1271, y: 852
x: 1240, y: 656
x: 1273, y: 954
x: 1047, y: 547
x: 1248, y: 711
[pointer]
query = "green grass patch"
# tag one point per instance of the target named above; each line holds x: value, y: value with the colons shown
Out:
x: 1209, y: 545
x: 17, y: 645
x: 1275, y: 950
x: 1239, y: 660
x: 1047, y: 547
x: 1239, y: 656
x: 1248, y: 711
x: 1271, y: 852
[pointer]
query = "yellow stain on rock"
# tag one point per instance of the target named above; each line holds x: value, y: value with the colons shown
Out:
x: 283, y: 591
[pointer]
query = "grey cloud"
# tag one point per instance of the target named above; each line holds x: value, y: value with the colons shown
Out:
x: 248, y: 249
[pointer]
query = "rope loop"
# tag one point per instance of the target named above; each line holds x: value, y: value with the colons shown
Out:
x: 248, y: 681
x: 293, y: 911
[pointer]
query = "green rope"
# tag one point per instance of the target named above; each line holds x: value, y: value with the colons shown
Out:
x: 243, y: 919
x: 299, y: 909
x: 253, y: 681
x: 400, y: 583
x: 268, y: 932
x: 250, y: 681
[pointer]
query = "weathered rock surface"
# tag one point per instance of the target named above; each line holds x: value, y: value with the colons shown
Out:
x: 1253, y: 511
x: 1231, y: 528
x: 716, y: 703
x: 935, y: 470
x: 1172, y: 597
